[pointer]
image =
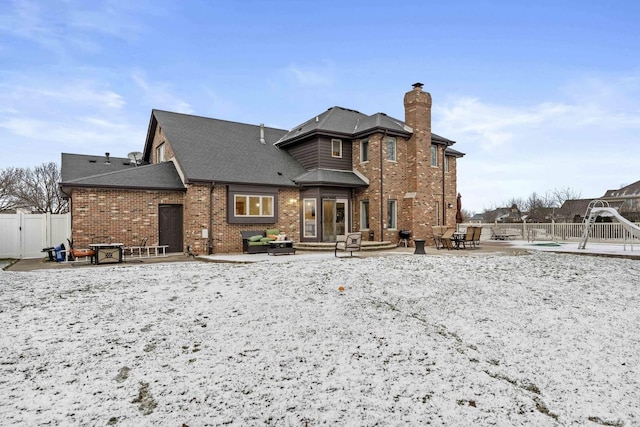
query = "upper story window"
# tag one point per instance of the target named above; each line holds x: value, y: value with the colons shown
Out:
x: 336, y: 148
x: 434, y: 156
x: 364, y: 150
x: 391, y: 148
x: 446, y: 163
x: 160, y: 153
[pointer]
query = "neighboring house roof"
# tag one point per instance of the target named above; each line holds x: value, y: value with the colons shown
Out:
x: 343, y: 122
x: 571, y: 208
x: 160, y: 176
x: 213, y: 150
x: 330, y: 177
x: 631, y: 190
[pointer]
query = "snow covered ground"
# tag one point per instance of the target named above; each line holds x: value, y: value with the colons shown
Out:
x: 488, y: 339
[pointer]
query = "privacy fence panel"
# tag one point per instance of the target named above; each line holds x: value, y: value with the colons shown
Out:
x: 25, y: 235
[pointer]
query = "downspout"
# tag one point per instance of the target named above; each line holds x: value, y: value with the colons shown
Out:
x: 444, y: 197
x: 382, y: 141
x: 69, y: 201
x: 211, y: 218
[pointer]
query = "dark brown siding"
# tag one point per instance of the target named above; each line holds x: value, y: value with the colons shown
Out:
x: 316, y: 153
x: 326, y: 161
x: 306, y: 153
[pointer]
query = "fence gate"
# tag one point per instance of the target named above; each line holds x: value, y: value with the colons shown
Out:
x: 25, y: 235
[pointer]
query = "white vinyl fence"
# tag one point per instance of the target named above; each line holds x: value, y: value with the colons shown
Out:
x: 601, y: 232
x: 25, y: 235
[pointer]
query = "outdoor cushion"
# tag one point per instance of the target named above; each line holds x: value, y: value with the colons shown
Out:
x: 273, y: 231
x: 255, y: 238
x: 267, y: 239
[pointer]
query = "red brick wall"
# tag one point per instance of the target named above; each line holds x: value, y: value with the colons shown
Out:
x: 227, y: 238
x: 125, y: 216
x: 412, y: 173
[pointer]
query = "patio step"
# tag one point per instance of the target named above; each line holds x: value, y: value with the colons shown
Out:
x: 329, y: 246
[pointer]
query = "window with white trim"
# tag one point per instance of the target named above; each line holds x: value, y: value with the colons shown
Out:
x: 160, y: 151
x: 391, y: 148
x: 446, y: 163
x: 253, y: 206
x: 392, y: 214
x: 336, y: 148
x: 310, y: 221
x: 364, y: 215
x: 434, y: 156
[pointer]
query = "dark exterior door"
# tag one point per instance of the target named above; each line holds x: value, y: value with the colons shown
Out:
x: 170, y: 227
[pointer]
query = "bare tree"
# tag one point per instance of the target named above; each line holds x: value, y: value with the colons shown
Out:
x: 561, y: 195
x: 37, y: 189
x: 8, y: 180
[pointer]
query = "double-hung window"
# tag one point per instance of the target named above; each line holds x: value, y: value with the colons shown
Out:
x: 364, y: 150
x: 434, y: 156
x: 364, y: 215
x: 391, y: 148
x: 392, y: 212
x: 160, y: 152
x: 336, y: 148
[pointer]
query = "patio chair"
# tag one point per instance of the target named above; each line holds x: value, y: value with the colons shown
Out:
x: 447, y: 238
x: 437, y: 231
x: 477, y: 232
x: 351, y: 243
x: 468, y: 237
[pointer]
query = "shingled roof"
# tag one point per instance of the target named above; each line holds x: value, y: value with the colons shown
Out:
x: 213, y: 150
x: 330, y: 177
x: 76, y: 166
x: 160, y: 176
x: 343, y: 122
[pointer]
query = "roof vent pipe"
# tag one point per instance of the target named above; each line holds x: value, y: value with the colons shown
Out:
x: 262, y: 141
x: 107, y: 161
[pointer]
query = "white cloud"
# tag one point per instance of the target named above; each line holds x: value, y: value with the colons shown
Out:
x: 160, y: 94
x: 64, y: 26
x: 311, y: 77
x: 585, y: 139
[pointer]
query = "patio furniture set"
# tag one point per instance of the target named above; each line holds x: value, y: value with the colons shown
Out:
x: 449, y: 238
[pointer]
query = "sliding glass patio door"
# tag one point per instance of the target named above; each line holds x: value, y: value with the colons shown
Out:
x: 335, y: 218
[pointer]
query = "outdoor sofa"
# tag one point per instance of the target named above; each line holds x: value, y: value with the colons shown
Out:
x: 257, y: 241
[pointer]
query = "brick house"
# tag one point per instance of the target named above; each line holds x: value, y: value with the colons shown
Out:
x: 625, y: 199
x: 200, y: 181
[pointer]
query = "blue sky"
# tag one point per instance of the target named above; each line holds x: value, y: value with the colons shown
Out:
x: 539, y: 95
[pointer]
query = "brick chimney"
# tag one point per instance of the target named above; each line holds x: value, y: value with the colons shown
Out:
x: 417, y: 109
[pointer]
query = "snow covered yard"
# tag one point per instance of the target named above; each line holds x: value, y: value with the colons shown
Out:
x: 541, y: 339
